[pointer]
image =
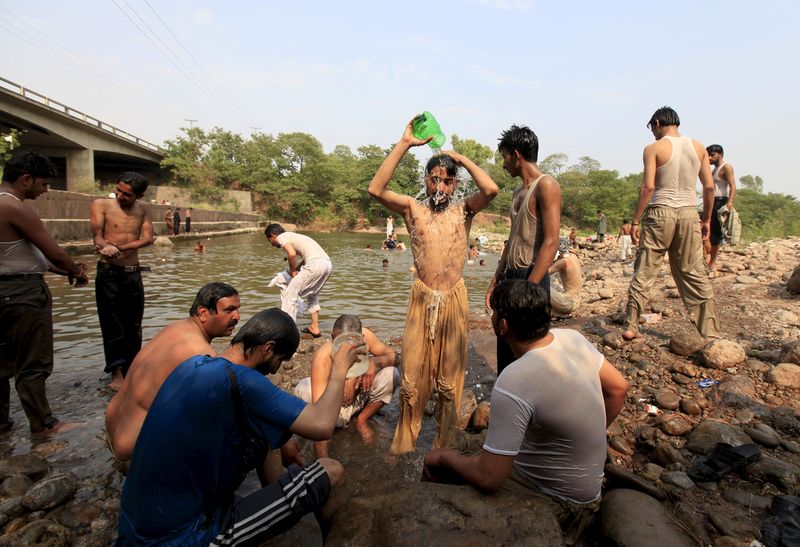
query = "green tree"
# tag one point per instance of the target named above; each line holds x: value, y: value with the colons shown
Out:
x: 554, y: 164
x: 584, y: 165
x: 8, y: 143
x: 752, y: 183
x: 474, y: 150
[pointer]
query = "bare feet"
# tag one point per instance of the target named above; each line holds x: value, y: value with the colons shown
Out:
x: 630, y: 335
x: 116, y: 379
x: 61, y: 427
x: 367, y: 435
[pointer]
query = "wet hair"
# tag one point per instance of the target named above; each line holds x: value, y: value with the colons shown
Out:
x: 209, y: 295
x: 28, y: 163
x: 625, y: 221
x: 525, y: 307
x: 715, y: 149
x: 273, y: 230
x: 346, y: 323
x: 442, y: 160
x: 272, y: 325
x: 521, y: 139
x: 138, y: 182
x: 664, y: 116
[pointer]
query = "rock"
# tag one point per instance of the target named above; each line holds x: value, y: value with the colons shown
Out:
x: 674, y: 424
x: 613, y: 340
x: 652, y: 471
x: 736, y: 391
x: 665, y: 454
x: 620, y: 445
x: 727, y: 526
x: 785, y: 316
x: 686, y: 344
x: 677, y: 478
x: 45, y: 533
x: 668, y: 400
x: 721, y: 354
x: 50, y: 491
x: 786, y: 420
x: 690, y: 407
x: 793, y: 285
x: 681, y: 379
x: 12, y: 507
x: 764, y: 435
x: 785, y: 375
x: 687, y: 369
x: 431, y: 514
x: 14, y: 525
x: 622, y: 477
x: 631, y: 518
x: 751, y: 501
x: 782, y: 474
x: 757, y: 366
x: 163, y: 241
x: 746, y: 280
x: 727, y: 541
x: 15, y: 485
x: 605, y: 293
x: 25, y: 464
x: 78, y: 516
x: 481, y: 416
x: 708, y: 433
x: 468, y: 405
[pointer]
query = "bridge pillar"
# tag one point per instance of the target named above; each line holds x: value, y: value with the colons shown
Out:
x: 80, y: 169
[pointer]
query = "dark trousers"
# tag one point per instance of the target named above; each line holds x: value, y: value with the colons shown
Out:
x: 176, y: 226
x: 120, y: 307
x: 188, y: 224
x: 26, y: 350
x: 504, y: 354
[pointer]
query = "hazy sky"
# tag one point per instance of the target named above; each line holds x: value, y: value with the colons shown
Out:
x: 585, y: 76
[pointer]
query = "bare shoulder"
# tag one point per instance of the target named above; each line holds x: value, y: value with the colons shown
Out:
x: 699, y: 148
x: 101, y: 204
x: 141, y: 209
x: 548, y: 181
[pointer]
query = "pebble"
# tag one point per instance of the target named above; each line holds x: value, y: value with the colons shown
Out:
x: 668, y: 400
x: 652, y: 471
x: 745, y: 498
x: 677, y: 478
x: 620, y: 445
x: 613, y: 340
x: 675, y: 425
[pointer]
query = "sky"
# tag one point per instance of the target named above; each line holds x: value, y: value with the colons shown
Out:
x: 585, y: 76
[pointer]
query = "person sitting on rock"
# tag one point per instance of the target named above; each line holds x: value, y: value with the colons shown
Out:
x: 363, y: 395
x: 550, y: 411
x: 563, y: 303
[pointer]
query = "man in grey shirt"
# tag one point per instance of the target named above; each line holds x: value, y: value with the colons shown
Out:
x: 550, y: 411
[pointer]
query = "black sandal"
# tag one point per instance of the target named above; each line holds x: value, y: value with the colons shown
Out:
x: 724, y: 459
x: 315, y: 335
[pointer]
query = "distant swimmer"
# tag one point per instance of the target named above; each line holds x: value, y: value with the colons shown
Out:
x: 435, y: 340
x: 200, y: 247
x: 120, y: 228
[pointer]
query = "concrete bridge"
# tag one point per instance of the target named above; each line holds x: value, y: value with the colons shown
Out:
x: 83, y: 148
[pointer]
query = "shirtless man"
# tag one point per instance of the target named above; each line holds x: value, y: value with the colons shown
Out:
x: 27, y: 251
x: 568, y: 267
x: 168, y: 220
x: 624, y: 244
x: 214, y: 313
x: 724, y: 196
x: 434, y: 343
x: 120, y: 228
x: 363, y: 395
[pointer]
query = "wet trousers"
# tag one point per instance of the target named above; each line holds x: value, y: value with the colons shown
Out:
x: 434, y: 351
x: 26, y: 350
x: 120, y: 308
x: 677, y: 231
x: 307, y: 284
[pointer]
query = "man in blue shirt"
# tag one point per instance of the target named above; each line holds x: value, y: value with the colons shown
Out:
x: 213, y: 421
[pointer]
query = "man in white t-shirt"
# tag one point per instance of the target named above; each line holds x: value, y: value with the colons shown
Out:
x: 309, y: 265
x: 550, y: 411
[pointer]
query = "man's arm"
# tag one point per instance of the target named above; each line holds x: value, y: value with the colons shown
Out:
x: 320, y: 372
x: 382, y: 356
x: 614, y: 387
x: 548, y: 196
x: 378, y: 186
x: 487, y: 189
x: 557, y: 266
x: 646, y: 191
x: 501, y: 266
x: 291, y: 258
x: 28, y: 223
x: 145, y: 236
x: 707, y: 181
x: 731, y: 184
x: 318, y: 420
x: 487, y: 472
x: 97, y: 220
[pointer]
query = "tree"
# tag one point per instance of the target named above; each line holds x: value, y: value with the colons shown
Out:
x: 584, y: 165
x: 554, y: 164
x: 8, y: 143
x: 752, y: 183
x: 474, y: 150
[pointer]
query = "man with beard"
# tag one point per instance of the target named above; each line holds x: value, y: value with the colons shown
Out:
x: 434, y: 345
x: 214, y: 313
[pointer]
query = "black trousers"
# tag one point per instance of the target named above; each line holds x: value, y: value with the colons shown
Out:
x: 504, y: 354
x: 120, y: 308
x: 26, y: 350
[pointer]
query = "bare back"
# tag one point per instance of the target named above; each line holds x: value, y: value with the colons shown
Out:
x: 158, y: 358
x: 438, y: 240
x: 120, y: 226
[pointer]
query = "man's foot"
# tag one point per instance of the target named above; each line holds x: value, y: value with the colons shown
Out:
x: 117, y: 379
x: 312, y: 333
x: 61, y: 427
x: 630, y: 335
x: 367, y: 435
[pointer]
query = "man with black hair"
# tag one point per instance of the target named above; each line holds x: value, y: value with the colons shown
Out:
x: 724, y: 196
x: 668, y: 215
x: 210, y: 424
x: 435, y: 339
x: 27, y: 251
x: 550, y: 411
x: 120, y: 228
x: 214, y: 313
x: 602, y: 226
x: 535, y: 220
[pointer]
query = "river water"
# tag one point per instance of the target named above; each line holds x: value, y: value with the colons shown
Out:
x: 359, y: 284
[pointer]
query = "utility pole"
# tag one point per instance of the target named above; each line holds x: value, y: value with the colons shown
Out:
x: 191, y: 122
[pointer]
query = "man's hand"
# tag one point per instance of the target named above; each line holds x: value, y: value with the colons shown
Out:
x: 369, y: 377
x: 408, y: 135
x: 347, y: 355
x: 489, y: 292
x: 455, y: 156
x: 705, y: 228
x: 293, y: 273
x: 432, y: 470
x: 80, y: 279
x: 635, y: 234
x: 290, y: 453
x: 350, y: 389
x: 109, y: 251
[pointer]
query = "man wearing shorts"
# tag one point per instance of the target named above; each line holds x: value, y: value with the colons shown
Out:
x: 213, y: 421
x: 724, y: 195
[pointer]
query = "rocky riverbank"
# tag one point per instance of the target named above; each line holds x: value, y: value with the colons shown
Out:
x: 684, y: 398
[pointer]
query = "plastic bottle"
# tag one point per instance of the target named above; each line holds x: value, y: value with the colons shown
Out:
x: 424, y: 126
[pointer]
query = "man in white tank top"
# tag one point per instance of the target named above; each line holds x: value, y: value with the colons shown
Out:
x: 724, y: 194
x: 668, y: 217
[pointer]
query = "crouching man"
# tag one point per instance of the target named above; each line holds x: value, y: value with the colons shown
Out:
x: 212, y: 422
x: 550, y: 410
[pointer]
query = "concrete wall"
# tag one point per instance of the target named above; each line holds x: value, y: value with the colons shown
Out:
x: 66, y: 216
x: 183, y: 198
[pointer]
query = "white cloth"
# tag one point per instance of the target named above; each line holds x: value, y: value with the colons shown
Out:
x: 624, y: 246
x: 389, y: 227
x: 306, y: 285
x: 282, y: 280
x: 383, y: 386
x: 548, y: 412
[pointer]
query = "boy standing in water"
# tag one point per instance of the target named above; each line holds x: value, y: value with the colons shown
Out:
x: 434, y: 345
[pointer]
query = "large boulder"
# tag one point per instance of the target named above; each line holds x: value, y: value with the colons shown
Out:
x: 721, y: 354
x: 51, y: 491
x: 785, y: 375
x: 632, y: 519
x: 790, y: 353
x: 793, y: 285
x: 441, y: 514
x: 708, y: 433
